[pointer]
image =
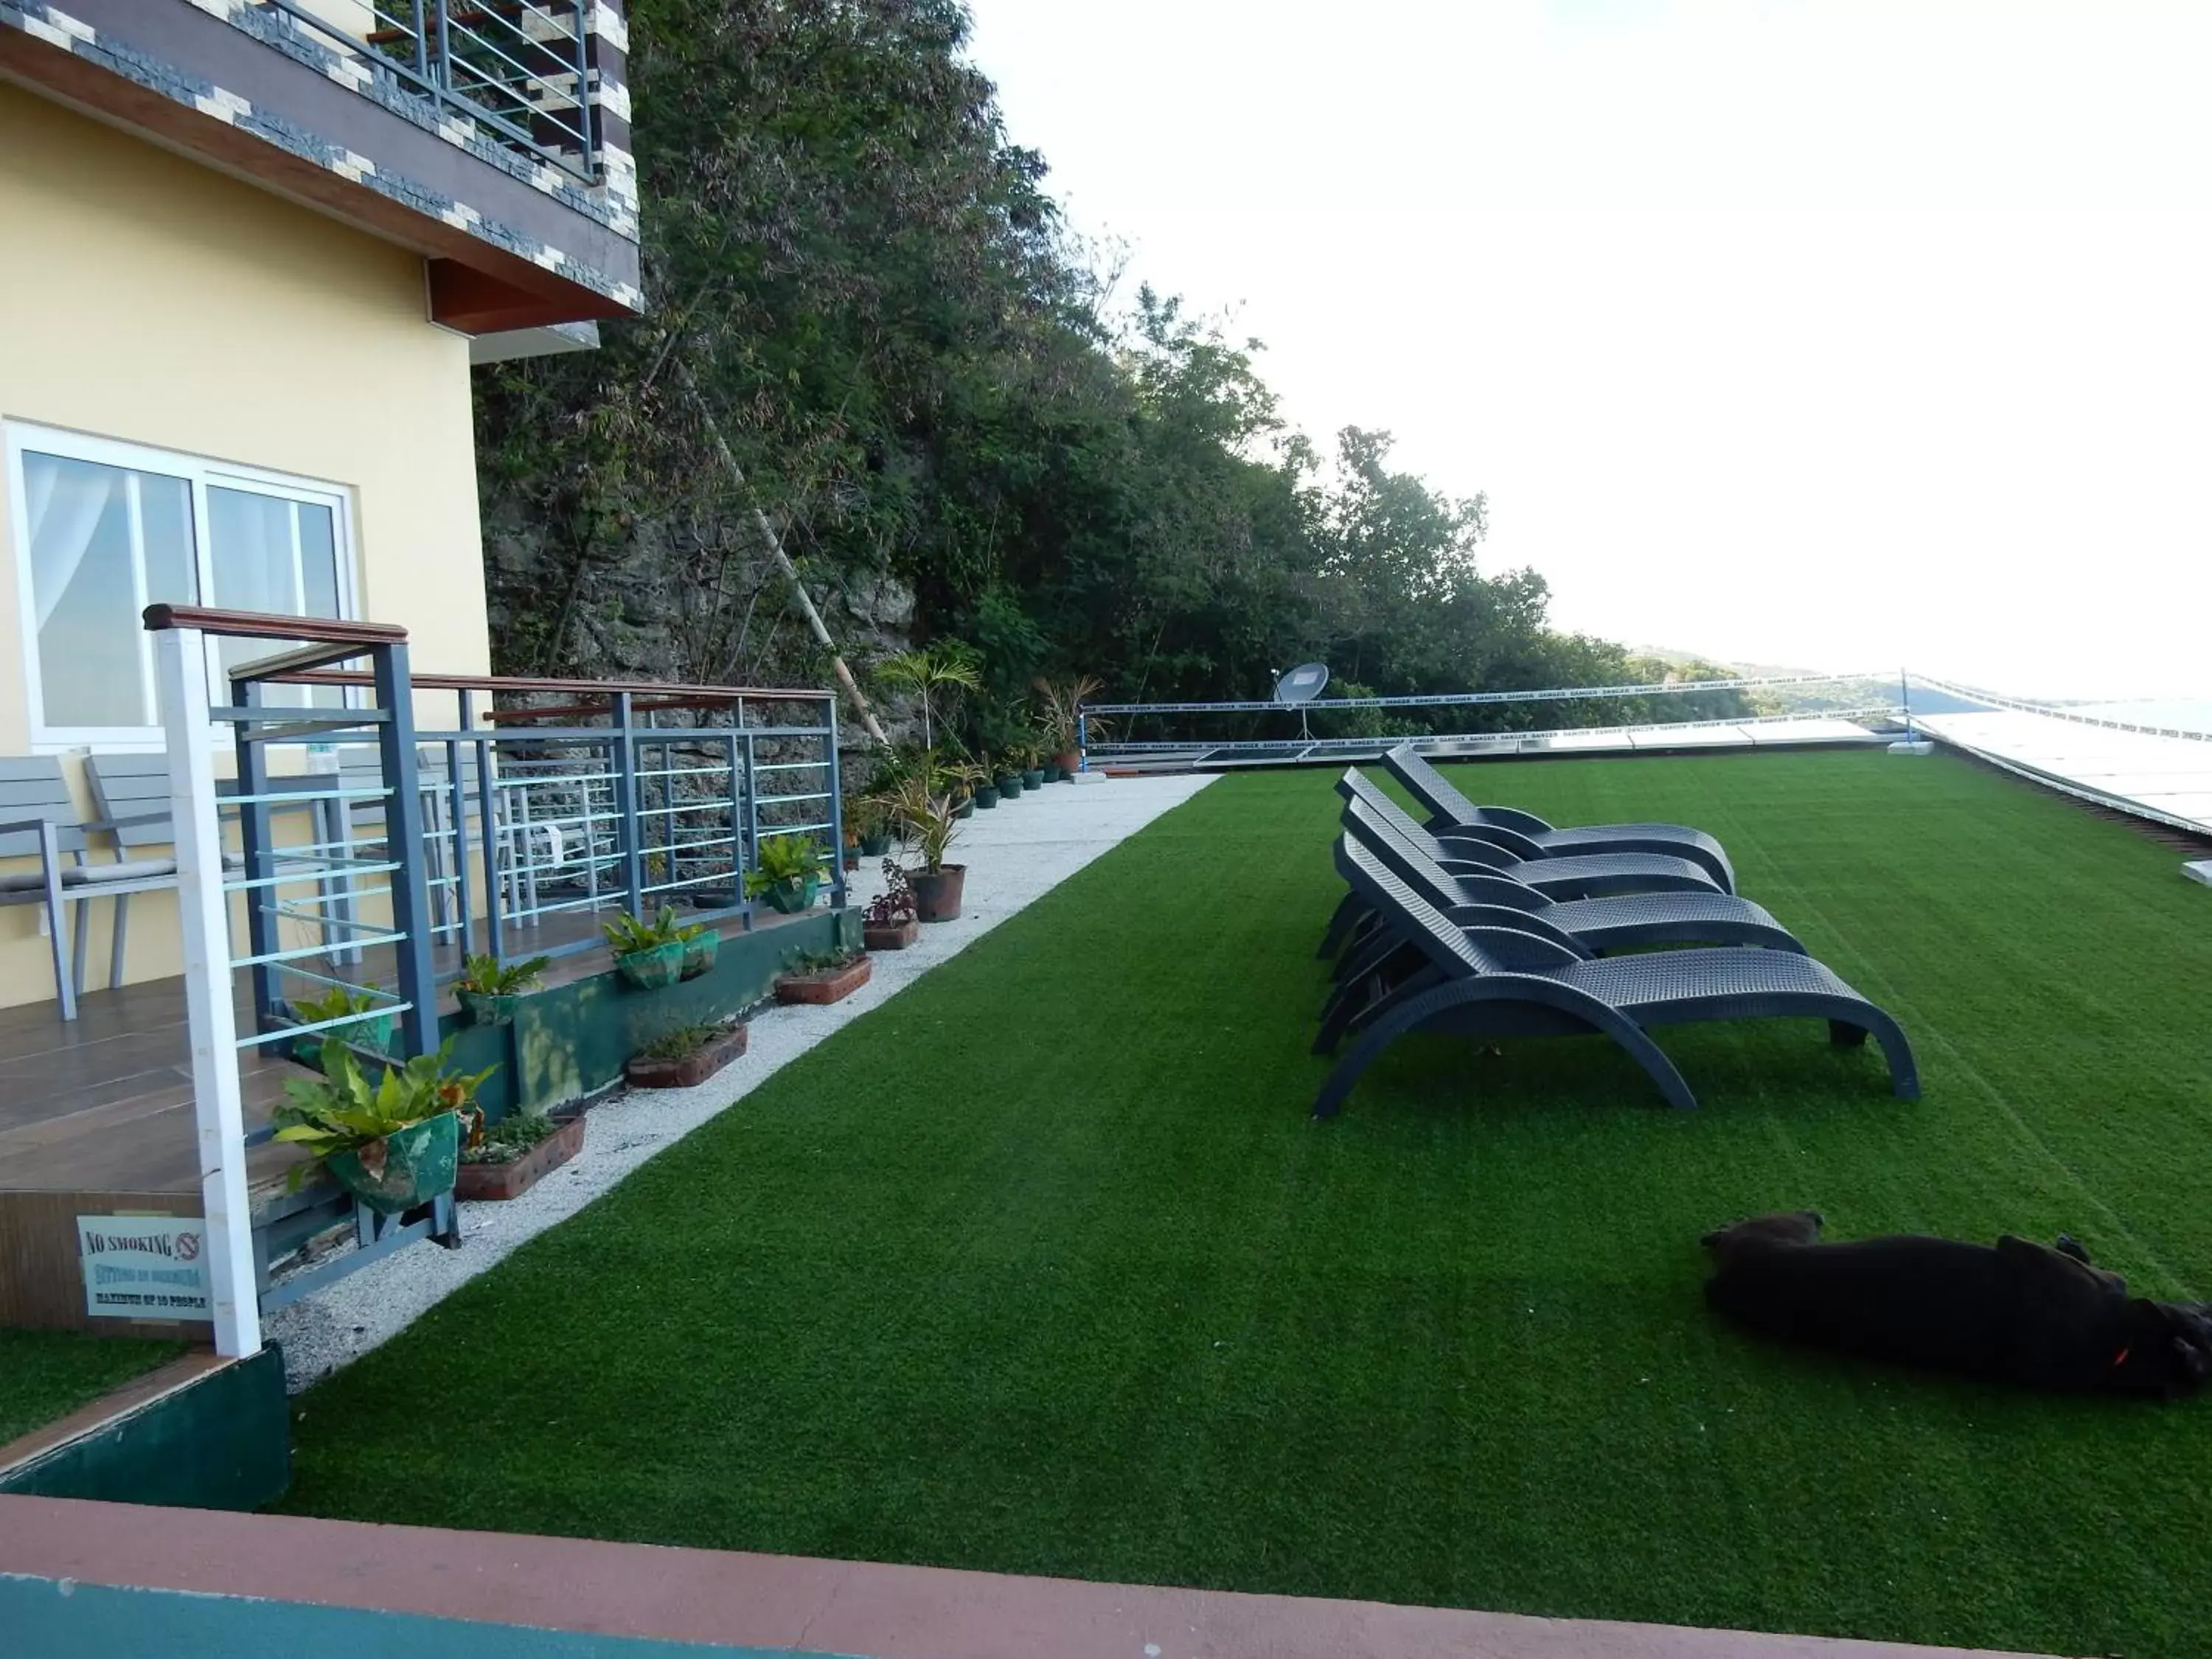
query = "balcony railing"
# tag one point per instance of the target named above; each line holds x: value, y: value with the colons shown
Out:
x: 519, y: 69
x: 397, y: 852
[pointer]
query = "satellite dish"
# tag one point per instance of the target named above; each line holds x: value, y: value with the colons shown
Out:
x: 1302, y: 684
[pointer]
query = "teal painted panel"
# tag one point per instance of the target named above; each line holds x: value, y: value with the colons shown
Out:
x: 223, y: 1443
x: 571, y: 1042
x: 47, y: 1619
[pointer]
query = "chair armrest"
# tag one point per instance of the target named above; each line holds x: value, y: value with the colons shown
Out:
x: 16, y: 825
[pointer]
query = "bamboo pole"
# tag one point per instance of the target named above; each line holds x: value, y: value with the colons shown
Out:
x: 783, y: 561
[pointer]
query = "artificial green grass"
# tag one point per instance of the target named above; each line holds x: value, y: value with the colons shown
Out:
x: 1043, y: 1267
x: 45, y: 1374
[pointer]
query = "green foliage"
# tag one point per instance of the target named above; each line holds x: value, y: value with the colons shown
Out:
x: 341, y: 1110
x: 818, y: 962
x: 783, y: 859
x: 923, y: 376
x: 335, y: 1003
x: 626, y: 935
x: 510, y: 1138
x: 483, y: 975
x: 683, y: 1041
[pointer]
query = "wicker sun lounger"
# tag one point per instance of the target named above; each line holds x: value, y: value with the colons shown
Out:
x: 1492, y: 983
x: 1530, y: 837
x: 1567, y: 876
x: 1588, y: 927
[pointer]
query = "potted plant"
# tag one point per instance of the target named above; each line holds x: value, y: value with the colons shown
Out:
x: 702, y: 945
x: 986, y: 795
x: 1010, y: 777
x: 371, y: 1030
x: 787, y: 872
x: 511, y: 1157
x: 928, y: 819
x: 647, y: 955
x: 889, y: 923
x: 392, y: 1144
x: 489, y: 993
x: 867, y: 821
x: 1029, y: 758
x: 822, y: 976
x: 684, y: 1057
x: 1062, y: 718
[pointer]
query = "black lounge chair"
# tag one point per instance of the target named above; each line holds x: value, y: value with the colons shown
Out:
x: 1566, y: 877
x: 1493, y: 983
x: 1590, y: 928
x: 1530, y: 837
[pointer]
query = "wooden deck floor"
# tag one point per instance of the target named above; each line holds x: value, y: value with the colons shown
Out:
x: 104, y: 1102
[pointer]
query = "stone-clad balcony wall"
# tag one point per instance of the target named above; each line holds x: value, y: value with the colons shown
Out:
x: 522, y: 199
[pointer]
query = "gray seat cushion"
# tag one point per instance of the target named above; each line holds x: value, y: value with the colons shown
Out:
x: 102, y: 875
x: 21, y: 881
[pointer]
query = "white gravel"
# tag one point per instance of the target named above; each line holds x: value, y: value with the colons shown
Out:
x: 1014, y: 854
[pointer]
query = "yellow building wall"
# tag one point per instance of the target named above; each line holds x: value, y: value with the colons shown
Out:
x: 147, y: 299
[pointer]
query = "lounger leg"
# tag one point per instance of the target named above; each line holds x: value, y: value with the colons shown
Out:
x: 1354, y: 1013
x: 1904, y: 1070
x: 1348, y: 910
x: 50, y: 865
x: 1358, y: 990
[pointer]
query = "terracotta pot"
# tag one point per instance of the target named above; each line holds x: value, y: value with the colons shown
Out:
x: 829, y: 985
x: 685, y: 1070
x: 896, y: 936
x: 478, y: 1182
x: 1067, y: 760
x: 937, y: 897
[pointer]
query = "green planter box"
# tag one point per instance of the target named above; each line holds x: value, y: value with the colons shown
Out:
x: 411, y: 1167
x: 698, y: 953
x: 790, y: 897
x: 483, y: 1008
x: 652, y: 969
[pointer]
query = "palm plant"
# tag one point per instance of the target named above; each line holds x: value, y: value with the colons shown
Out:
x: 1063, y: 708
x: 946, y: 667
x: 928, y: 816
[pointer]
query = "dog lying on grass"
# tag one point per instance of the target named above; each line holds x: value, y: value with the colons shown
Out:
x: 2016, y: 1312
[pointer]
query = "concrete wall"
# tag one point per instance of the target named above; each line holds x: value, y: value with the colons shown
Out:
x: 147, y: 299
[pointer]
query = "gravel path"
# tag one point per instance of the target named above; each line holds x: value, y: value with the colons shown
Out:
x: 1014, y: 854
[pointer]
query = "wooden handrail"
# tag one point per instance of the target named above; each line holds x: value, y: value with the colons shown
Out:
x: 263, y: 625
x: 655, y: 688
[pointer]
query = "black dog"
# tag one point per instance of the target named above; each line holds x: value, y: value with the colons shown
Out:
x: 2018, y: 1313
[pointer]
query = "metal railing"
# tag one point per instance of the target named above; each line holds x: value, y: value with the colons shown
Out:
x: 396, y: 853
x: 520, y: 67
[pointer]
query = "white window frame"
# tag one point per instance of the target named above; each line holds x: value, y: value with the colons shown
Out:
x: 201, y: 474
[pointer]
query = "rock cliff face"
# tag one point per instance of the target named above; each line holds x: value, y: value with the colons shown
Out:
x: 676, y: 601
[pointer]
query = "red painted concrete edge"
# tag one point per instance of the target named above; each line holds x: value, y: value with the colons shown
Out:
x: 877, y: 1609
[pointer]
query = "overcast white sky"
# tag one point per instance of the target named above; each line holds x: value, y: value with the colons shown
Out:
x: 1836, y: 335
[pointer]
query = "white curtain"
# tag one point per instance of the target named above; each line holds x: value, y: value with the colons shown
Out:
x: 65, y: 502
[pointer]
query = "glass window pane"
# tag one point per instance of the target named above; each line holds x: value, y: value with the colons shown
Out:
x: 104, y: 541
x: 273, y: 554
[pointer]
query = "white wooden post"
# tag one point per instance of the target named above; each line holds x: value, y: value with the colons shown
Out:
x: 204, y: 912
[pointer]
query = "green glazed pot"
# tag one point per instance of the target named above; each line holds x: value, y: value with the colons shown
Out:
x: 698, y: 953
x: 373, y: 1033
x: 1010, y: 785
x: 985, y: 797
x: 1034, y: 778
x: 407, y: 1168
x: 875, y: 847
x: 649, y: 970
x: 791, y: 897
x: 967, y: 808
x: 484, y: 1008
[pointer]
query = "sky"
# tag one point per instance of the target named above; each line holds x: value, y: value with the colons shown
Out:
x: 1834, y: 336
